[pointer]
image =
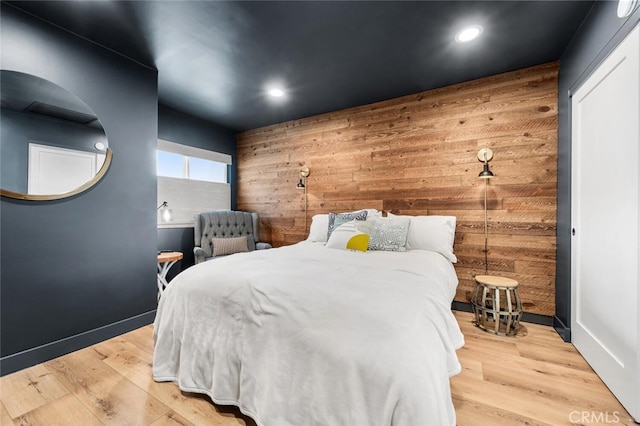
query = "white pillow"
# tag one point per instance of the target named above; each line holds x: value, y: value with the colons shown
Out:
x: 353, y: 235
x: 435, y: 233
x: 318, y: 229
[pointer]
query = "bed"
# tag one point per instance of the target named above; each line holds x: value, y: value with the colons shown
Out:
x: 310, y: 335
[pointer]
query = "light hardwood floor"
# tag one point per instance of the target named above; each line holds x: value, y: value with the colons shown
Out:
x: 531, y: 379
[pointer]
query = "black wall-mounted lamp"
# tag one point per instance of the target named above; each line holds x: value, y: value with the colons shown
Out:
x: 302, y: 182
x: 485, y: 155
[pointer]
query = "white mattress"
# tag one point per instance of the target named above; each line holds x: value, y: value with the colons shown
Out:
x: 308, y: 335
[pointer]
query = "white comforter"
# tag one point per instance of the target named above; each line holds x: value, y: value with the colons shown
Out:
x: 307, y: 335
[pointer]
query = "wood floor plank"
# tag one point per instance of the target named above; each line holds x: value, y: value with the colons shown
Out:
x: 518, y: 401
x: 532, y: 379
x: 128, y: 359
x: 141, y: 337
x: 473, y: 413
x: 196, y: 408
x: 29, y: 389
x: 552, y: 388
x: 111, y: 397
x: 545, y: 374
x: 480, y: 347
x: 470, y: 366
x: 64, y: 411
x: 567, y: 355
x: 5, y: 418
x: 548, y: 370
x: 134, y: 363
x: 172, y: 419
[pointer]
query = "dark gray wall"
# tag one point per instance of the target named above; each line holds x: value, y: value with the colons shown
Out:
x: 599, y: 34
x: 18, y: 129
x: 82, y: 269
x: 183, y: 129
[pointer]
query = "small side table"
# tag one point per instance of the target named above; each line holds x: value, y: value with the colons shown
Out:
x: 496, y: 305
x: 165, y: 261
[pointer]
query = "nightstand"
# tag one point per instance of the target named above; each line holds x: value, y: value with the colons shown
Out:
x: 496, y: 305
x: 165, y: 261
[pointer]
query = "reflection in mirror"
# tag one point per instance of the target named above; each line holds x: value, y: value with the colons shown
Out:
x: 52, y: 145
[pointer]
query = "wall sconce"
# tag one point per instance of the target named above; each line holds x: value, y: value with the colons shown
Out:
x: 302, y: 184
x: 165, y: 212
x: 485, y: 155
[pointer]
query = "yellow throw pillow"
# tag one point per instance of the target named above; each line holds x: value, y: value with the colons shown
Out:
x: 358, y: 242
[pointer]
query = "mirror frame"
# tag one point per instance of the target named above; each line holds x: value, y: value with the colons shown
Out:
x: 78, y: 190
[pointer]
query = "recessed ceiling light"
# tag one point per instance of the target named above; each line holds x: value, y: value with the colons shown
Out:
x: 275, y: 92
x: 625, y: 7
x: 469, y: 33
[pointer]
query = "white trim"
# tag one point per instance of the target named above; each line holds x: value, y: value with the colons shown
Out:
x: 171, y: 225
x: 191, y: 151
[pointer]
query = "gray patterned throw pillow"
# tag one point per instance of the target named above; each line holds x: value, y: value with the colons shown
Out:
x: 337, y: 219
x: 390, y: 234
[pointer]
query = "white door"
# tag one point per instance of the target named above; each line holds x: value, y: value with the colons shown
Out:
x: 55, y: 170
x: 605, y: 204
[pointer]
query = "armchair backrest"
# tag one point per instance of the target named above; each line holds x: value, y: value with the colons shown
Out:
x: 224, y: 224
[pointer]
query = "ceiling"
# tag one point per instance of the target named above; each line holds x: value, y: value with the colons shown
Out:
x: 27, y: 93
x: 215, y: 60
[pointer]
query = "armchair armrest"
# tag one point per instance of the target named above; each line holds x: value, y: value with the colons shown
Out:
x: 262, y: 246
x: 199, y: 254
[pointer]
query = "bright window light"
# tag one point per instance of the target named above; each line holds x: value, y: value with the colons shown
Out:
x: 207, y: 170
x: 173, y: 165
x: 469, y: 33
x: 170, y: 164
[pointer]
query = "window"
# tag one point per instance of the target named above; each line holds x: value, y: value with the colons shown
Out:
x: 170, y: 164
x: 191, y: 180
x: 207, y: 170
x: 175, y: 165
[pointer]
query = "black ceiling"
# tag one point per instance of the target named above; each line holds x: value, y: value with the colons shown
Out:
x: 214, y: 59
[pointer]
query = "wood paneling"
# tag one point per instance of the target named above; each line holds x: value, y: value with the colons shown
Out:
x: 417, y: 155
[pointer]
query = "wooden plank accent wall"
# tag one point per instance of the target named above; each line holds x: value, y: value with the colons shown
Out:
x: 418, y: 155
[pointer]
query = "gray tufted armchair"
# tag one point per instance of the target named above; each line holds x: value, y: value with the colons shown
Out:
x: 224, y: 224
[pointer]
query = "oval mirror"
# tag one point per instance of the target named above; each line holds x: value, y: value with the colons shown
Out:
x: 52, y: 145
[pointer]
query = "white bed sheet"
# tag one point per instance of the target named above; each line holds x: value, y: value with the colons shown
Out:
x: 308, y: 335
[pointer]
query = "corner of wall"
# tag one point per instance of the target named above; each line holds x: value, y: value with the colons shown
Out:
x: 562, y: 329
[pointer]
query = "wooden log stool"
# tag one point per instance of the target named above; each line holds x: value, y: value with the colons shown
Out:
x: 496, y: 305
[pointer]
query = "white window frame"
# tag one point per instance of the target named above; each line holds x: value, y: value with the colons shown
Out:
x: 187, y: 197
